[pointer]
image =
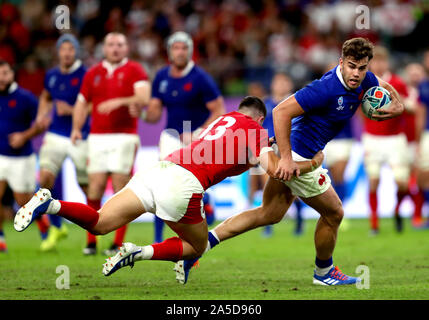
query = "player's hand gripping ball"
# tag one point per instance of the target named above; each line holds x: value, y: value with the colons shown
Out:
x: 374, y: 99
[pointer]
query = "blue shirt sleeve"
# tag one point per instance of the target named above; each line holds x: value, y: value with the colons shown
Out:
x: 32, y: 105
x: 369, y: 81
x: 209, y: 87
x: 155, y: 87
x: 313, y: 96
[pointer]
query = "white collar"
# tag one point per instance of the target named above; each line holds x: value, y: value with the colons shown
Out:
x: 340, y: 77
x: 74, y: 66
x: 188, y: 68
x: 113, y: 66
x: 13, y: 87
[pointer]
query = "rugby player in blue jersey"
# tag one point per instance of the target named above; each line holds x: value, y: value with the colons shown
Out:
x: 192, y: 100
x: 18, y: 108
x: 61, y: 87
x: 304, y: 123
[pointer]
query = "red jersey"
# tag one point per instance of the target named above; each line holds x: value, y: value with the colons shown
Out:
x: 103, y: 82
x: 392, y: 126
x: 228, y: 147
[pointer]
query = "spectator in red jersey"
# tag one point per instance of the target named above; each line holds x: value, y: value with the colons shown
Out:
x: 116, y: 87
x: 386, y: 142
x: 31, y: 76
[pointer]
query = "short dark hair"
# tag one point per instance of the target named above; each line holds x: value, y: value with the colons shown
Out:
x: 254, y: 103
x: 4, y: 63
x: 358, y: 48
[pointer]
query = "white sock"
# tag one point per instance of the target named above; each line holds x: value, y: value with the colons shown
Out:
x: 322, y: 271
x: 145, y: 254
x: 54, y: 207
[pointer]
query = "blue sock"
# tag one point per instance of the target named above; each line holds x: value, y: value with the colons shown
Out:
x: 299, y: 219
x: 340, y: 188
x: 159, y: 228
x: 426, y: 195
x: 55, y: 220
x: 43, y: 235
x: 213, y: 240
x: 324, y: 263
x: 1, y: 233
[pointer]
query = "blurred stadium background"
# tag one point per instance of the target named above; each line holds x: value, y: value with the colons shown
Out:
x: 240, y: 43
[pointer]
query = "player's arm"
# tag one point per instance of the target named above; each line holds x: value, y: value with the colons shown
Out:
x: 283, y: 114
x: 216, y: 108
x: 153, y: 112
x: 140, y: 98
x: 395, y: 108
x: 80, y: 113
x: 44, y: 110
x: 420, y: 120
x: 18, y: 139
x: 269, y: 162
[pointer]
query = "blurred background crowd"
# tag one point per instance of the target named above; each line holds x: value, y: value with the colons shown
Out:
x: 236, y: 41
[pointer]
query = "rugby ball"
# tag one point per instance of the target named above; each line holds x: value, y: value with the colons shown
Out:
x: 374, y: 99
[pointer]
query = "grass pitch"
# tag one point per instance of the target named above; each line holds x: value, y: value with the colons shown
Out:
x: 246, y: 267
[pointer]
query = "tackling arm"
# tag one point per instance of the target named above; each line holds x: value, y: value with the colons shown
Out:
x: 80, y: 113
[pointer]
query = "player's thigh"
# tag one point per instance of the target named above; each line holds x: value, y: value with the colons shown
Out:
x: 194, y: 234
x: 276, y: 200
x: 119, y: 180
x: 22, y: 198
x: 97, y: 184
x: 79, y: 155
x: 119, y: 210
x: 21, y: 174
x: 3, y: 186
x: 374, y: 154
x: 46, y: 179
x: 328, y: 205
x: 53, y: 152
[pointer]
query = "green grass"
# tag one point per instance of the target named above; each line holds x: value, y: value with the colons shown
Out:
x: 246, y: 267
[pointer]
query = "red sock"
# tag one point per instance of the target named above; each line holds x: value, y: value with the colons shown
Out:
x: 79, y: 213
x: 170, y: 249
x: 94, y: 204
x: 419, y: 200
x: 120, y: 236
x: 43, y: 224
x: 373, y: 204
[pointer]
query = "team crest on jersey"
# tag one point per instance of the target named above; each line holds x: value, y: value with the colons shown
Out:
x: 12, y: 103
x: 340, y: 103
x: 163, y: 86
x: 187, y: 86
x: 74, y: 82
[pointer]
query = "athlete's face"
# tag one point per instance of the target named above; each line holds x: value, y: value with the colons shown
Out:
x: 66, y: 54
x: 379, y: 65
x: 6, y: 76
x: 115, y: 48
x: 179, y: 54
x: 281, y: 85
x: 415, y: 73
x: 353, y: 71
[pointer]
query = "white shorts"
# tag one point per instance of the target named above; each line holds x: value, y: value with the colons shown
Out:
x: 423, y: 157
x: 112, y: 152
x: 169, y: 191
x: 392, y: 150
x: 169, y: 142
x: 337, y: 150
x: 309, y: 184
x: 56, y: 148
x: 19, y: 173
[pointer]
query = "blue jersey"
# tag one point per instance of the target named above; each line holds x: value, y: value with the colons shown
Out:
x: 424, y: 98
x: 270, y: 104
x: 65, y: 87
x: 185, y: 98
x: 346, y: 132
x: 328, y: 106
x: 18, y: 110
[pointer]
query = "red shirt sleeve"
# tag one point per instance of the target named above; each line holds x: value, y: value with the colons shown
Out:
x: 138, y: 74
x: 86, y: 87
